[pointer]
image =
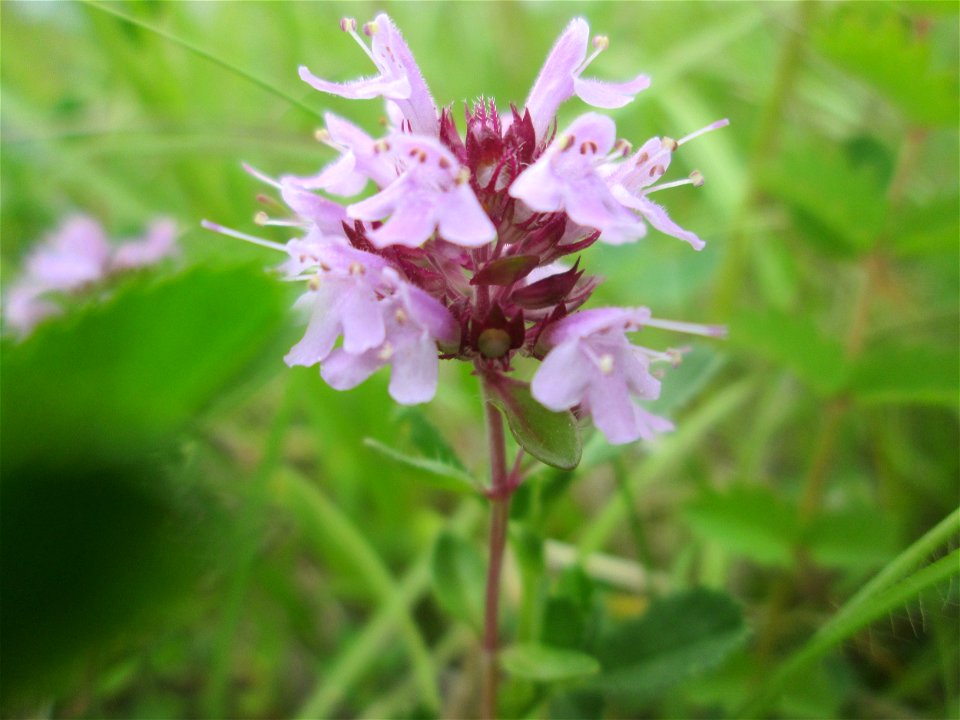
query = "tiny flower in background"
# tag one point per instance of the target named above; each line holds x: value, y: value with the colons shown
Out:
x: 75, y: 257
x: 465, y: 247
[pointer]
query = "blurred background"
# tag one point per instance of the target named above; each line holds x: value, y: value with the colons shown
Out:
x: 191, y: 529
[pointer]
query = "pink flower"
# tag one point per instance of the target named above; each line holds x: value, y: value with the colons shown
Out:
x: 567, y: 178
x: 432, y: 193
x: 414, y: 322
x: 75, y: 255
x: 160, y: 242
x: 399, y: 80
x: 560, y: 78
x: 592, y: 364
x: 360, y: 161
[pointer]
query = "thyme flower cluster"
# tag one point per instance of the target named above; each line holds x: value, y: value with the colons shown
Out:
x: 470, y: 246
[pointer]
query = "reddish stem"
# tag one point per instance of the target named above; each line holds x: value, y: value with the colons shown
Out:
x: 500, y: 492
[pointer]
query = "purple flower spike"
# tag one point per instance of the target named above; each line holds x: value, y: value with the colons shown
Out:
x: 432, y: 193
x: 414, y: 322
x: 399, y: 80
x: 566, y: 177
x: 560, y: 78
x: 592, y: 364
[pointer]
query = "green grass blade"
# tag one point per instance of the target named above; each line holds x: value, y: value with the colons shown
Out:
x: 200, y: 52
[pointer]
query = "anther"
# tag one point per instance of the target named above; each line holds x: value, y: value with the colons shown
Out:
x: 642, y: 158
x: 623, y: 147
x: 588, y: 146
x: 386, y: 351
x: 657, y: 170
x: 443, y: 163
x: 565, y: 142
x: 261, y: 218
x: 370, y: 28
x: 324, y: 267
x: 356, y: 268
x: 314, y: 283
x: 463, y: 175
x: 605, y: 363
x: 381, y: 146
x: 601, y: 42
x: 696, y: 177
x: 348, y: 24
x: 670, y: 144
x: 400, y: 316
x: 418, y: 153
x: 322, y: 135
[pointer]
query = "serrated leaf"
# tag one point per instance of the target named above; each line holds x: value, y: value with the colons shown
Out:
x: 795, y: 342
x: 893, y: 374
x: 679, y: 637
x: 749, y: 521
x: 551, y: 437
x: 505, y: 270
x: 547, y: 664
x: 458, y: 574
x: 439, y: 472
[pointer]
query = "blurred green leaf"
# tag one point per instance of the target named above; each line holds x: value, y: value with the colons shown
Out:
x: 795, y: 342
x: 458, y: 574
x: 840, y: 204
x: 439, y: 473
x: 889, y: 51
x: 928, y: 228
x: 120, y: 375
x: 749, y: 521
x: 856, y: 538
x: 892, y: 374
x: 551, y: 437
x: 677, y: 638
x: 547, y: 664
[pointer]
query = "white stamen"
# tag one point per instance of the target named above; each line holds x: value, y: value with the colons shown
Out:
x: 695, y: 179
x: 386, y: 351
x: 242, y: 236
x: 605, y: 364
x: 600, y: 43
x: 690, y: 328
x: 259, y: 175
x: 697, y: 133
x: 262, y: 219
x: 351, y: 27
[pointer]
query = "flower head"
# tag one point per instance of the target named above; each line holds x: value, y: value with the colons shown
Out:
x: 464, y: 248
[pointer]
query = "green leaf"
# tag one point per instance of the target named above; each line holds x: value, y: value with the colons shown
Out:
x: 505, y: 270
x: 749, y: 521
x: 679, y: 637
x: 907, y: 375
x: 458, y: 573
x: 551, y: 437
x: 881, y: 47
x: 855, y: 538
x: 426, y: 438
x: 122, y: 374
x: 838, y: 202
x: 547, y: 664
x: 439, y: 473
x: 795, y: 342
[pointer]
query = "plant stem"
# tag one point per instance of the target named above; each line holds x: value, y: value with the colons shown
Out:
x: 500, y: 492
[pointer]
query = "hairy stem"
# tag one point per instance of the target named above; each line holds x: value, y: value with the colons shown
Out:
x: 500, y: 492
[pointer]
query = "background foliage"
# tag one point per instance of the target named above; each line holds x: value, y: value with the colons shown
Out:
x: 192, y: 529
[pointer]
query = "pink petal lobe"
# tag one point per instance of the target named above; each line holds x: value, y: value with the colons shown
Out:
x: 563, y: 377
x: 413, y: 377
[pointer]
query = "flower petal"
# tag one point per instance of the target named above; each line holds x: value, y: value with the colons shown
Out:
x: 554, y: 84
x: 411, y: 224
x: 613, y: 410
x: 361, y: 318
x: 609, y: 95
x: 413, y: 377
x: 362, y: 89
x: 563, y: 377
x: 461, y: 220
x: 322, y: 330
x: 343, y: 371
x: 657, y: 216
